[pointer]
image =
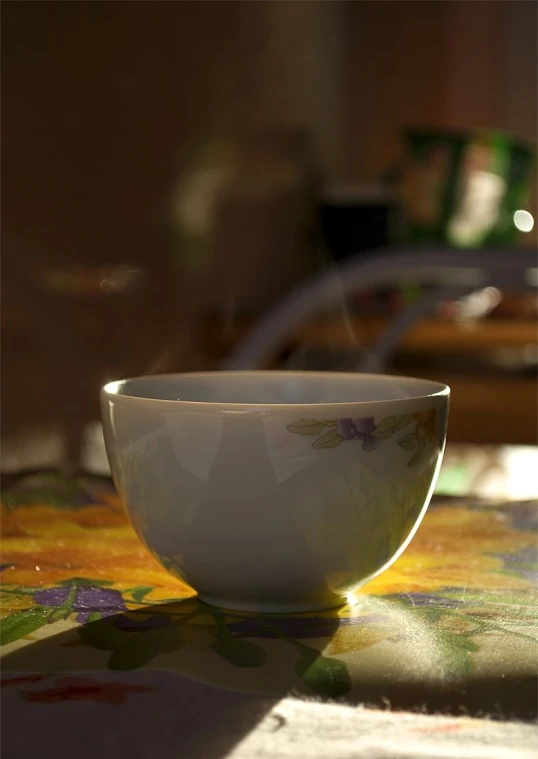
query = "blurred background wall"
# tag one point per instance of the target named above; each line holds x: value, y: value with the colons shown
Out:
x: 103, y: 102
x: 101, y: 99
x: 460, y: 64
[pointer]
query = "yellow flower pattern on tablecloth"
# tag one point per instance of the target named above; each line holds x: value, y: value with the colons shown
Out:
x: 72, y: 565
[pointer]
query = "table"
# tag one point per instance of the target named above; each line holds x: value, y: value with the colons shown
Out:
x: 88, y: 616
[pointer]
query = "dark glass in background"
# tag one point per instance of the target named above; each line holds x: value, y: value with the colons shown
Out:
x: 356, y: 220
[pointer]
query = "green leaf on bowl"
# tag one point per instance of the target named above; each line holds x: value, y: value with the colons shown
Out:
x: 382, y: 435
x: 385, y: 428
x: 402, y: 421
x: 418, y: 455
x: 329, y: 440
x: 408, y: 442
x: 306, y: 427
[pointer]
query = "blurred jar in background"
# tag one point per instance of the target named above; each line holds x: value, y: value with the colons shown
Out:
x: 246, y: 219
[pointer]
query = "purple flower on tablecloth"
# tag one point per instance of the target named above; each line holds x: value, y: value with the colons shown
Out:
x: 523, y: 564
x: 425, y: 599
x: 86, y: 601
x: 359, y: 429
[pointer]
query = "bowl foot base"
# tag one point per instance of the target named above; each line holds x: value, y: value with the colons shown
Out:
x: 262, y: 608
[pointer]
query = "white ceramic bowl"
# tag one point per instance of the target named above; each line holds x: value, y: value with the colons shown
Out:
x: 275, y: 491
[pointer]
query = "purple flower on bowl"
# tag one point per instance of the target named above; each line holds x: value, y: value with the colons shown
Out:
x: 86, y: 601
x: 359, y: 429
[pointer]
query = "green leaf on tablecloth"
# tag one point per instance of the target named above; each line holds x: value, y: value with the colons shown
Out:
x: 329, y: 440
x: 408, y: 442
x: 455, y: 653
x: 306, y: 427
x: 47, y: 490
x: 85, y: 582
x: 459, y: 641
x: 457, y: 662
x: 323, y: 675
x: 12, y: 592
x: 22, y: 623
x: 61, y: 613
x: 140, y: 648
x: 101, y: 634
x: 237, y: 651
x: 432, y: 613
x: 242, y: 653
x: 139, y: 593
x: 35, y: 498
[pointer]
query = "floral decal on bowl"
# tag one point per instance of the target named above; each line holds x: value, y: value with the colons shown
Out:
x: 423, y: 436
x: 330, y: 433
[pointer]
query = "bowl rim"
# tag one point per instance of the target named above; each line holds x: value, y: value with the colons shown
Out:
x: 111, y: 390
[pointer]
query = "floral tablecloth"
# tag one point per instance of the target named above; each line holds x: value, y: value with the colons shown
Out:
x: 453, y: 624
